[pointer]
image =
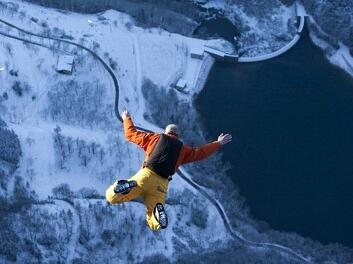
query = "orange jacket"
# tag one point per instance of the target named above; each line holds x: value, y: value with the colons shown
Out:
x: 147, y: 142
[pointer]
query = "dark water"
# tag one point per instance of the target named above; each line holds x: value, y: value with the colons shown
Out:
x: 292, y: 154
x: 217, y: 27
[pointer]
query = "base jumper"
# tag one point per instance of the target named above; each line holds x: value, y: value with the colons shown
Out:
x: 164, y: 154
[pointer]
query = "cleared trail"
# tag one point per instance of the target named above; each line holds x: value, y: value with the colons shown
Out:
x: 236, y: 235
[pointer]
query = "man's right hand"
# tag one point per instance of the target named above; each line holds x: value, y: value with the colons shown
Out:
x: 125, y: 115
x: 224, y: 139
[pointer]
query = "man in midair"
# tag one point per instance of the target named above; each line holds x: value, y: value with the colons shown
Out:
x: 164, y: 154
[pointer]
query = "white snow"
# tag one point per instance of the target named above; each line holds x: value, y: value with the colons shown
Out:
x: 139, y: 54
x: 154, y: 54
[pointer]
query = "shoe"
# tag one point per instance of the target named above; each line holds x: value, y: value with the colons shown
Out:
x: 124, y: 186
x: 161, y: 215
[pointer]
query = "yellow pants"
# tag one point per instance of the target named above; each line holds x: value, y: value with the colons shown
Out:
x: 150, y: 186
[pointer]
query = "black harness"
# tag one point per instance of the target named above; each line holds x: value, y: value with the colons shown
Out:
x: 164, y: 156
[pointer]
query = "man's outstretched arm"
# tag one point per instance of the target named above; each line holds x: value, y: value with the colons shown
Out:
x: 200, y: 153
x: 140, y: 138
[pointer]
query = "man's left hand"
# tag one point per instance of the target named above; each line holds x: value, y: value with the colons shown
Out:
x: 125, y: 115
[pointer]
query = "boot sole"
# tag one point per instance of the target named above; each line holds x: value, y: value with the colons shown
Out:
x: 161, y: 211
x: 132, y: 184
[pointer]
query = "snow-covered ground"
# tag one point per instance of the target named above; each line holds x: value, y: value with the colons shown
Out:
x: 69, y: 133
x: 156, y: 55
x: 80, y: 142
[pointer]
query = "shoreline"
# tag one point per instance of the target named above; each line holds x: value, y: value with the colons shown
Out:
x: 251, y: 94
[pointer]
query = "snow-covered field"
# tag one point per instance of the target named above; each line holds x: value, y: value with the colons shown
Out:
x: 66, y: 123
x: 156, y: 55
x: 73, y: 145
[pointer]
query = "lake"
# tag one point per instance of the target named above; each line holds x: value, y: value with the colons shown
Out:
x: 292, y: 154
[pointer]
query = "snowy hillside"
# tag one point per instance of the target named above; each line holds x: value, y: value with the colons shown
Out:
x: 82, y: 105
x: 71, y: 147
x: 72, y: 142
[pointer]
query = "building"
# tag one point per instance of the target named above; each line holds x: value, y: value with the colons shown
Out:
x: 65, y: 64
x: 181, y: 84
x: 197, y: 54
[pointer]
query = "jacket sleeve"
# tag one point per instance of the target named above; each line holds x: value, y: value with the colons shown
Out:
x: 133, y: 135
x: 195, y: 154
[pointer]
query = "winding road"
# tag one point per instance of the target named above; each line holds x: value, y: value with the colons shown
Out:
x: 236, y: 235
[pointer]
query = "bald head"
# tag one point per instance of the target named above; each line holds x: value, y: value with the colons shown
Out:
x: 172, y: 129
